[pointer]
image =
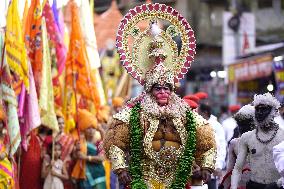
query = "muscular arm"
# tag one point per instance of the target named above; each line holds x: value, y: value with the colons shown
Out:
x: 205, y: 145
x: 205, y: 150
x: 240, y: 162
x: 278, y: 156
x: 231, y: 155
x: 116, y: 143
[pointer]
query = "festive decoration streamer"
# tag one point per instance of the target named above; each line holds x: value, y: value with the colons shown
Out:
x: 54, y: 35
x: 22, y: 101
x: 46, y: 102
x: 88, y: 30
x: 15, y: 47
x: 31, y: 115
x: 9, y: 97
x: 33, y: 40
x: 78, y: 70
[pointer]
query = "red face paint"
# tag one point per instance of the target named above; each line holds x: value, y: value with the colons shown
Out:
x: 161, y: 94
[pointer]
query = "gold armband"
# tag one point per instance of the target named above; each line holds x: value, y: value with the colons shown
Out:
x: 117, y: 157
x: 208, y: 159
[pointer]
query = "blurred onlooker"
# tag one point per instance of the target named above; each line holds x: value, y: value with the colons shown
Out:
x: 192, y: 101
x: 193, y: 105
x: 230, y: 123
x: 205, y: 111
x: 67, y: 144
x: 31, y: 158
x: 66, y: 141
x: 117, y: 103
x: 223, y: 114
x: 278, y: 156
x: 89, y: 169
x: 6, y: 171
x: 280, y: 118
x: 202, y: 96
x: 245, y: 122
x: 54, y: 170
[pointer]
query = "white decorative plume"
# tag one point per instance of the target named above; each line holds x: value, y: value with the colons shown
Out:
x: 266, y: 99
x: 155, y: 29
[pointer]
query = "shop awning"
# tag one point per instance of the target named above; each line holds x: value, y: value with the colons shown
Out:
x: 251, y: 68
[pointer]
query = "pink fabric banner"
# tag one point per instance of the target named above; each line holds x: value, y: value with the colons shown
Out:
x: 55, y: 37
x: 31, y: 115
x: 21, y: 101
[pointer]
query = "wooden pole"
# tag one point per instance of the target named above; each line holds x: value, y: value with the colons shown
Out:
x: 2, y: 60
x: 74, y: 85
x: 19, y: 163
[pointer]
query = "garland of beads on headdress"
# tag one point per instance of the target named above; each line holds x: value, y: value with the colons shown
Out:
x: 185, y: 162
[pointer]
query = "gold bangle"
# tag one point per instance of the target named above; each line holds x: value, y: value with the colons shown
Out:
x: 89, y: 158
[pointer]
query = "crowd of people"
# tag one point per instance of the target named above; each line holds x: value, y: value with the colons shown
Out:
x: 248, y: 138
x: 249, y: 144
x: 156, y: 140
x: 59, y: 160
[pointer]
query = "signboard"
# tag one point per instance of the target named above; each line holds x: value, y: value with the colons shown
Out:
x: 252, y: 68
x: 247, y: 89
x: 278, y: 68
x: 236, y: 43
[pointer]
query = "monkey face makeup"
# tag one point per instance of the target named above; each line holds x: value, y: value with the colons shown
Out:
x: 245, y: 124
x: 162, y: 93
x: 261, y: 112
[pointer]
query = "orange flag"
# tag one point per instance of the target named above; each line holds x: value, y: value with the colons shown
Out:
x: 33, y: 39
x: 25, y: 15
x: 78, y: 70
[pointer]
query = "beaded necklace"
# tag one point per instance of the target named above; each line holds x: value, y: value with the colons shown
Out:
x: 270, y: 139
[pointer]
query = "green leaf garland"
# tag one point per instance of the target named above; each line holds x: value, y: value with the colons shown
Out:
x: 136, y: 139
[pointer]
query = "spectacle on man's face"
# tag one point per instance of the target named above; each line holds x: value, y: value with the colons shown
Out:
x: 161, y: 93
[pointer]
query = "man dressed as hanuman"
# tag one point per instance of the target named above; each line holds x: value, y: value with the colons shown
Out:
x: 156, y: 139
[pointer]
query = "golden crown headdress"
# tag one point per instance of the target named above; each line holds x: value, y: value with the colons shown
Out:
x: 152, y: 56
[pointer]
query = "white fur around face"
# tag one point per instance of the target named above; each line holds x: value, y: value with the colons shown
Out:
x: 176, y: 107
x: 266, y: 99
x: 247, y: 111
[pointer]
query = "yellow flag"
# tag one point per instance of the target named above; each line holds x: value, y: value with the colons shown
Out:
x: 25, y: 14
x: 15, y: 46
x: 46, y: 102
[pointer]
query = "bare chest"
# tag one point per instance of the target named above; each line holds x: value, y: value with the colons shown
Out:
x: 258, y: 149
